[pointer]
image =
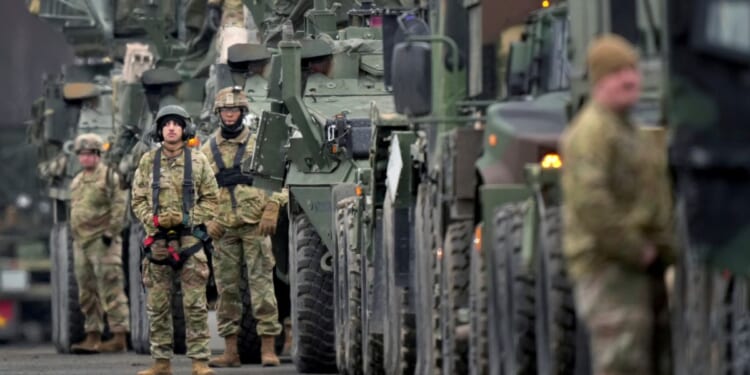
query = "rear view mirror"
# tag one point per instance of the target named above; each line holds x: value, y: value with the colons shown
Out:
x: 519, y: 66
x: 412, y: 74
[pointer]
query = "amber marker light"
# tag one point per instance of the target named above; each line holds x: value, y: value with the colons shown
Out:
x: 478, y: 238
x: 551, y: 161
x: 106, y: 146
x: 358, y: 190
x: 545, y: 4
x: 193, y: 142
x: 492, y: 140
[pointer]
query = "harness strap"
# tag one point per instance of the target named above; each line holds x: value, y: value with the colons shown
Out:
x: 155, y: 186
x: 188, y: 189
x: 236, y: 165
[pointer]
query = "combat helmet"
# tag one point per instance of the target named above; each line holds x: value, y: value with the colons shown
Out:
x: 88, y: 141
x: 231, y: 97
x: 177, y: 113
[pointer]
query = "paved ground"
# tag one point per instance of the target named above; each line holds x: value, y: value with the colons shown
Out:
x: 33, y: 360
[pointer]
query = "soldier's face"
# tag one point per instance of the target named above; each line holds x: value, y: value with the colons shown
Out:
x: 621, y: 90
x: 172, y: 132
x: 230, y: 115
x: 88, y: 160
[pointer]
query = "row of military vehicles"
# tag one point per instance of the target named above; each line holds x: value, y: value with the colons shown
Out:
x: 418, y: 142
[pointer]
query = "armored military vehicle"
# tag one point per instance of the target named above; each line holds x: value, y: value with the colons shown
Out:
x: 470, y: 289
x: 330, y: 77
x: 707, y: 108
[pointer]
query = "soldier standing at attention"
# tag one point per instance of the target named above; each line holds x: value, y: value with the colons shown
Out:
x: 246, y: 216
x: 97, y: 217
x: 615, y: 232
x: 174, y: 195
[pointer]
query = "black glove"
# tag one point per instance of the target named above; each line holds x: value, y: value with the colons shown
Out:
x: 213, y: 18
x: 106, y: 240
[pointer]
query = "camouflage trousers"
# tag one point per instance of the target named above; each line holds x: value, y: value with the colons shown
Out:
x: 159, y: 281
x: 615, y: 305
x: 238, y: 244
x: 101, y: 285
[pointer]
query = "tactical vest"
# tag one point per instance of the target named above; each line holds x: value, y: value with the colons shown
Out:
x: 176, y: 258
x: 231, y: 177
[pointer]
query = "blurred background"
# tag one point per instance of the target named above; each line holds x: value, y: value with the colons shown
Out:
x: 29, y: 49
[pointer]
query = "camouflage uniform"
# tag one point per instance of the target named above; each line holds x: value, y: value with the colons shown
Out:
x: 241, y: 211
x: 615, y: 205
x: 243, y: 241
x: 98, y: 209
x: 194, y: 274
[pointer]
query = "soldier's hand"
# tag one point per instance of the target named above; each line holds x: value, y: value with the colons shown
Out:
x: 270, y: 219
x: 215, y: 230
x: 107, y: 240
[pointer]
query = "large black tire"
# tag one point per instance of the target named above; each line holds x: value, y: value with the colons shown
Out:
x: 313, y: 341
x: 67, y: 318
x: 399, y: 350
x: 478, y: 353
x: 139, y: 324
x: 347, y: 288
x: 556, y: 314
x: 511, y: 302
x: 454, y: 290
x: 373, y: 295
x: 426, y: 281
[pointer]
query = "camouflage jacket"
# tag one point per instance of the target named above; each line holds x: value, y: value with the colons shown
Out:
x: 615, y: 192
x: 250, y: 201
x: 170, y: 195
x: 97, y: 204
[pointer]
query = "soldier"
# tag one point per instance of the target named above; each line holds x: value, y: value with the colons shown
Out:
x: 616, y: 233
x: 174, y: 195
x: 246, y: 215
x: 97, y: 217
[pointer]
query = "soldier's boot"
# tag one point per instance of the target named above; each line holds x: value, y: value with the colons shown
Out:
x: 88, y: 346
x: 160, y: 367
x: 200, y: 367
x: 230, y: 358
x: 118, y: 343
x: 287, y: 338
x: 268, y: 352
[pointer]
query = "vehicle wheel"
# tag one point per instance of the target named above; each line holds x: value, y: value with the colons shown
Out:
x: 478, y: 358
x: 67, y: 318
x: 454, y: 289
x: 558, y: 307
x: 398, y: 353
x: 427, y: 301
x: 511, y: 300
x: 347, y: 288
x: 312, y: 300
x: 373, y: 295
